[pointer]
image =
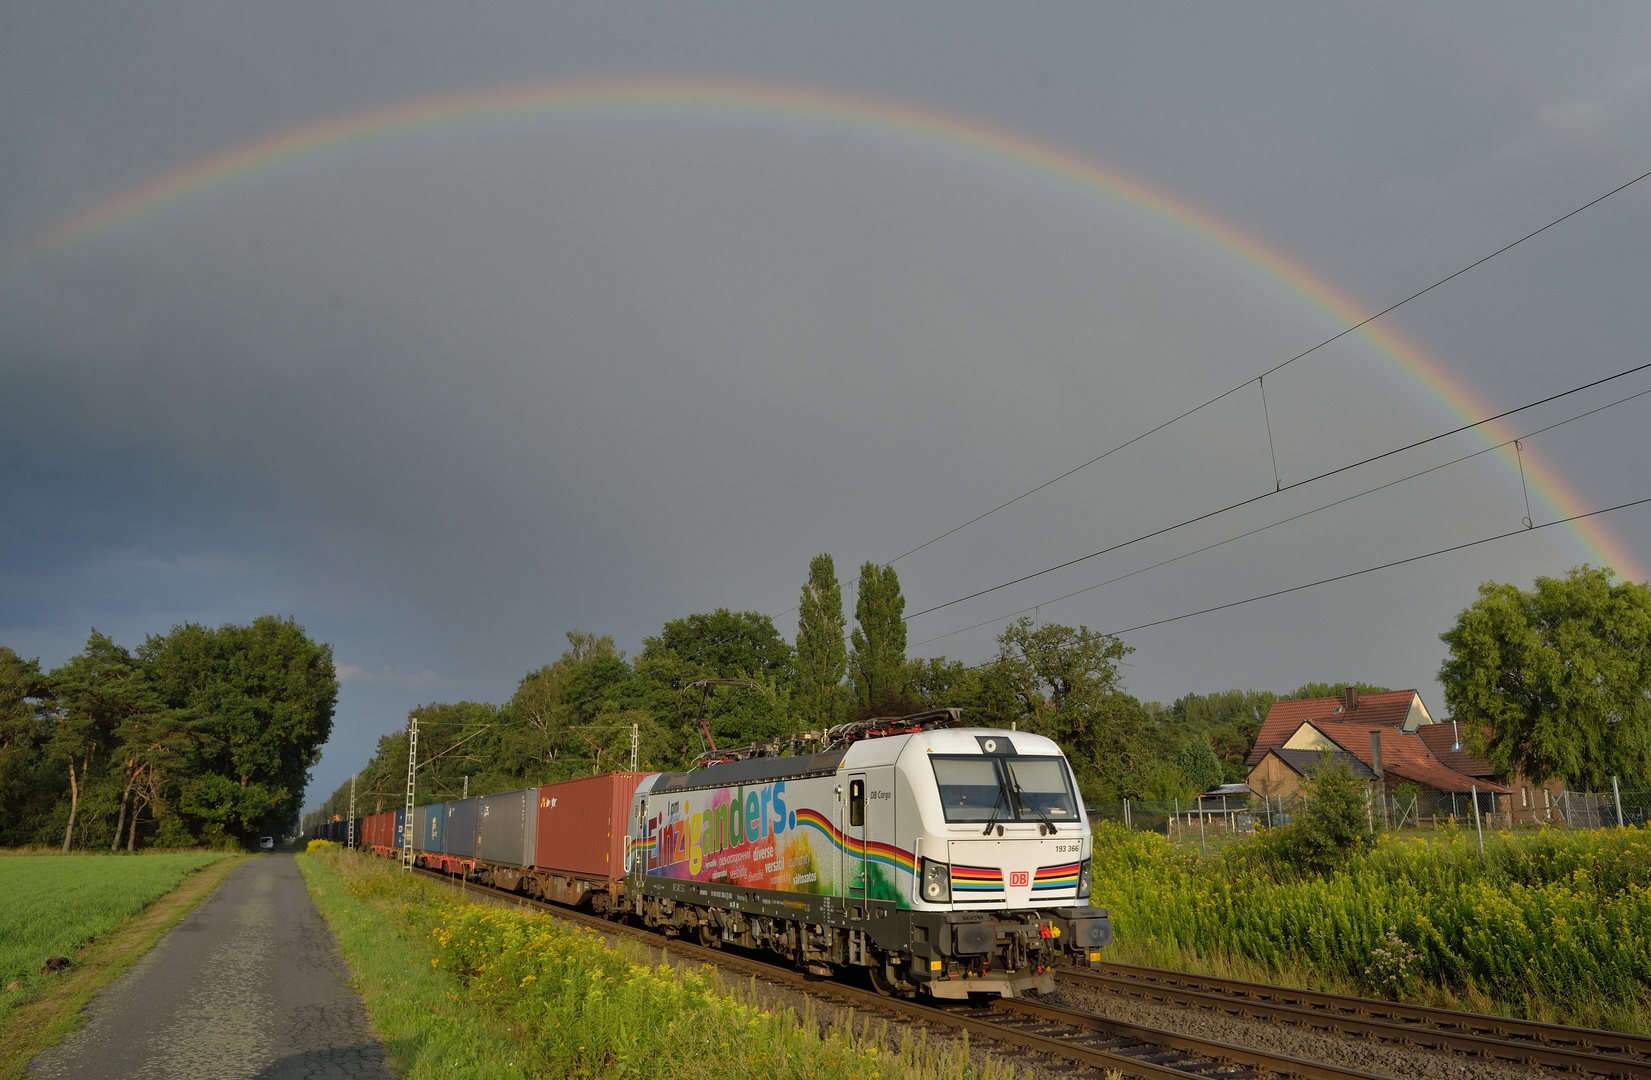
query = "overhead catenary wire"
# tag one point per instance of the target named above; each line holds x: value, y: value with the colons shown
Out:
x: 1258, y: 379
x: 1286, y: 487
x: 1521, y: 531
x: 1276, y: 367
x: 1283, y: 521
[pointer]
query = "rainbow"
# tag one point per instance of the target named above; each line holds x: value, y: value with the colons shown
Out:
x: 896, y: 858
x: 792, y: 104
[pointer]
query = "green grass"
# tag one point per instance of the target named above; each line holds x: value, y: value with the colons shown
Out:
x: 1554, y: 925
x: 51, y: 905
x: 458, y: 989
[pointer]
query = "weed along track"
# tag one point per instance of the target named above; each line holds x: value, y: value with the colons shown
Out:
x: 1583, y: 1051
x: 1078, y: 1043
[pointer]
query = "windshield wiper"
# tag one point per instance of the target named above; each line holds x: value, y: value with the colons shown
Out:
x: 996, y: 806
x: 1025, y: 803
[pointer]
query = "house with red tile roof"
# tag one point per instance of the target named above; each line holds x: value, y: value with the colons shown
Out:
x: 1380, y: 736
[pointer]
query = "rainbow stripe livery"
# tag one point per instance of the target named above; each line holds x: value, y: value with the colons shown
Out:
x: 977, y: 882
x: 873, y: 851
x: 1055, y: 878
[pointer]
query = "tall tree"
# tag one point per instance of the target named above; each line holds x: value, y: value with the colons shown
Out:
x: 265, y: 694
x: 1559, y: 675
x: 877, y: 666
x: 93, y: 693
x: 822, y: 654
x: 22, y: 735
x: 726, y: 644
x: 154, y: 748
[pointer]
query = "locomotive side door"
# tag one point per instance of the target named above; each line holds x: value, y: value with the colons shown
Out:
x: 854, y: 838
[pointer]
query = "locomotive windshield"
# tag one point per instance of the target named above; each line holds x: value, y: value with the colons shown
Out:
x: 977, y: 788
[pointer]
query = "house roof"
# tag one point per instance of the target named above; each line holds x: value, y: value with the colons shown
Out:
x: 1305, y: 761
x: 1440, y: 738
x: 1285, y: 717
x: 1404, y: 755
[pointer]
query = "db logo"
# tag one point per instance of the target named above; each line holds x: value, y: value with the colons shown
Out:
x: 1018, y: 877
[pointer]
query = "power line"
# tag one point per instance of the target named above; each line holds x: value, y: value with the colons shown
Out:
x: 1282, y: 521
x: 1521, y: 531
x: 1276, y: 367
x: 1286, y: 487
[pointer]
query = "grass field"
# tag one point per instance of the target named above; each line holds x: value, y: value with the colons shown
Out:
x: 1554, y: 925
x: 459, y: 990
x: 50, y: 905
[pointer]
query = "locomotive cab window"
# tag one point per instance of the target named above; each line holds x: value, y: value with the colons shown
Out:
x: 856, y: 802
x: 970, y: 788
x: 1040, y: 787
x: 984, y: 788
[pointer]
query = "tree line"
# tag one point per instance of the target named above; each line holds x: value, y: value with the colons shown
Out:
x: 576, y: 716
x: 198, y: 736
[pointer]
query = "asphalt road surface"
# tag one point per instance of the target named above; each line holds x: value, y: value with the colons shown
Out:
x: 250, y: 985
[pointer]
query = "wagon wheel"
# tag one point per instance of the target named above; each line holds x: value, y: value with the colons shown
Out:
x: 880, y: 978
x: 709, y: 936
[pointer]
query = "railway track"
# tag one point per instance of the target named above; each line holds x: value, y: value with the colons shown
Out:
x: 1078, y: 1040
x: 1581, y: 1050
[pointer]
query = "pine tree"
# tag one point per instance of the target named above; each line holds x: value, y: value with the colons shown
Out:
x: 878, y: 663
x: 822, y: 656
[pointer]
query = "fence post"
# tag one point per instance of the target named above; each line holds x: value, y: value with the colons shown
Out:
x: 1203, y: 852
x: 1616, y: 797
x: 1369, y: 819
x: 1178, y: 834
x: 1476, y: 827
x: 1126, y: 815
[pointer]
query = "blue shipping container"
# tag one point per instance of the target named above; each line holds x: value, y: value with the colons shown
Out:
x: 401, y: 826
x: 461, y: 828
x: 433, y: 830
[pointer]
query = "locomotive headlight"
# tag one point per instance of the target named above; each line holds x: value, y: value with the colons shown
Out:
x: 1083, y: 880
x: 937, y: 882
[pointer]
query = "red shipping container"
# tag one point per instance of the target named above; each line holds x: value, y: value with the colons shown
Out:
x: 581, y: 828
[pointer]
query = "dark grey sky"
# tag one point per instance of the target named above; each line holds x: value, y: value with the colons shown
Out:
x: 449, y: 391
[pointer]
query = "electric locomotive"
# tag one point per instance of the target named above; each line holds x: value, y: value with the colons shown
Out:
x: 945, y: 860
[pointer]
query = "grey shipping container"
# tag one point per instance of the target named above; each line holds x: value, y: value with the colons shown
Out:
x: 505, y: 828
x: 461, y: 828
x: 419, y: 814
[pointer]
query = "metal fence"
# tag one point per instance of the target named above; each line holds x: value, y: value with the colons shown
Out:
x: 1626, y: 803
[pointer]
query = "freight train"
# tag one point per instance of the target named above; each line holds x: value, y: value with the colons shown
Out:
x: 943, y: 860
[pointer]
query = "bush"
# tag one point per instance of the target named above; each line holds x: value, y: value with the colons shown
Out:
x: 1550, y: 925
x: 318, y: 845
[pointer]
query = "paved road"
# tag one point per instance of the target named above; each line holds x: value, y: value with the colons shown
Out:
x: 250, y: 985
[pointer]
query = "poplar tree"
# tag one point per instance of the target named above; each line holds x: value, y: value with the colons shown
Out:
x: 822, y: 654
x: 878, y: 664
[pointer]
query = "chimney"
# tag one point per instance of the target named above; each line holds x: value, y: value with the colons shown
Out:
x: 1375, y: 752
x: 1350, y: 698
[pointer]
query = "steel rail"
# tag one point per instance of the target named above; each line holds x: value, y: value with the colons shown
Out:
x: 1585, y: 1050
x: 1131, y: 1049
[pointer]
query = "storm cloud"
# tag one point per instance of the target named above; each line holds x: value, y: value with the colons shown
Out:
x: 445, y: 391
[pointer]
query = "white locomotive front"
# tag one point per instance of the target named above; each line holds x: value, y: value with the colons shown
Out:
x: 944, y: 859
